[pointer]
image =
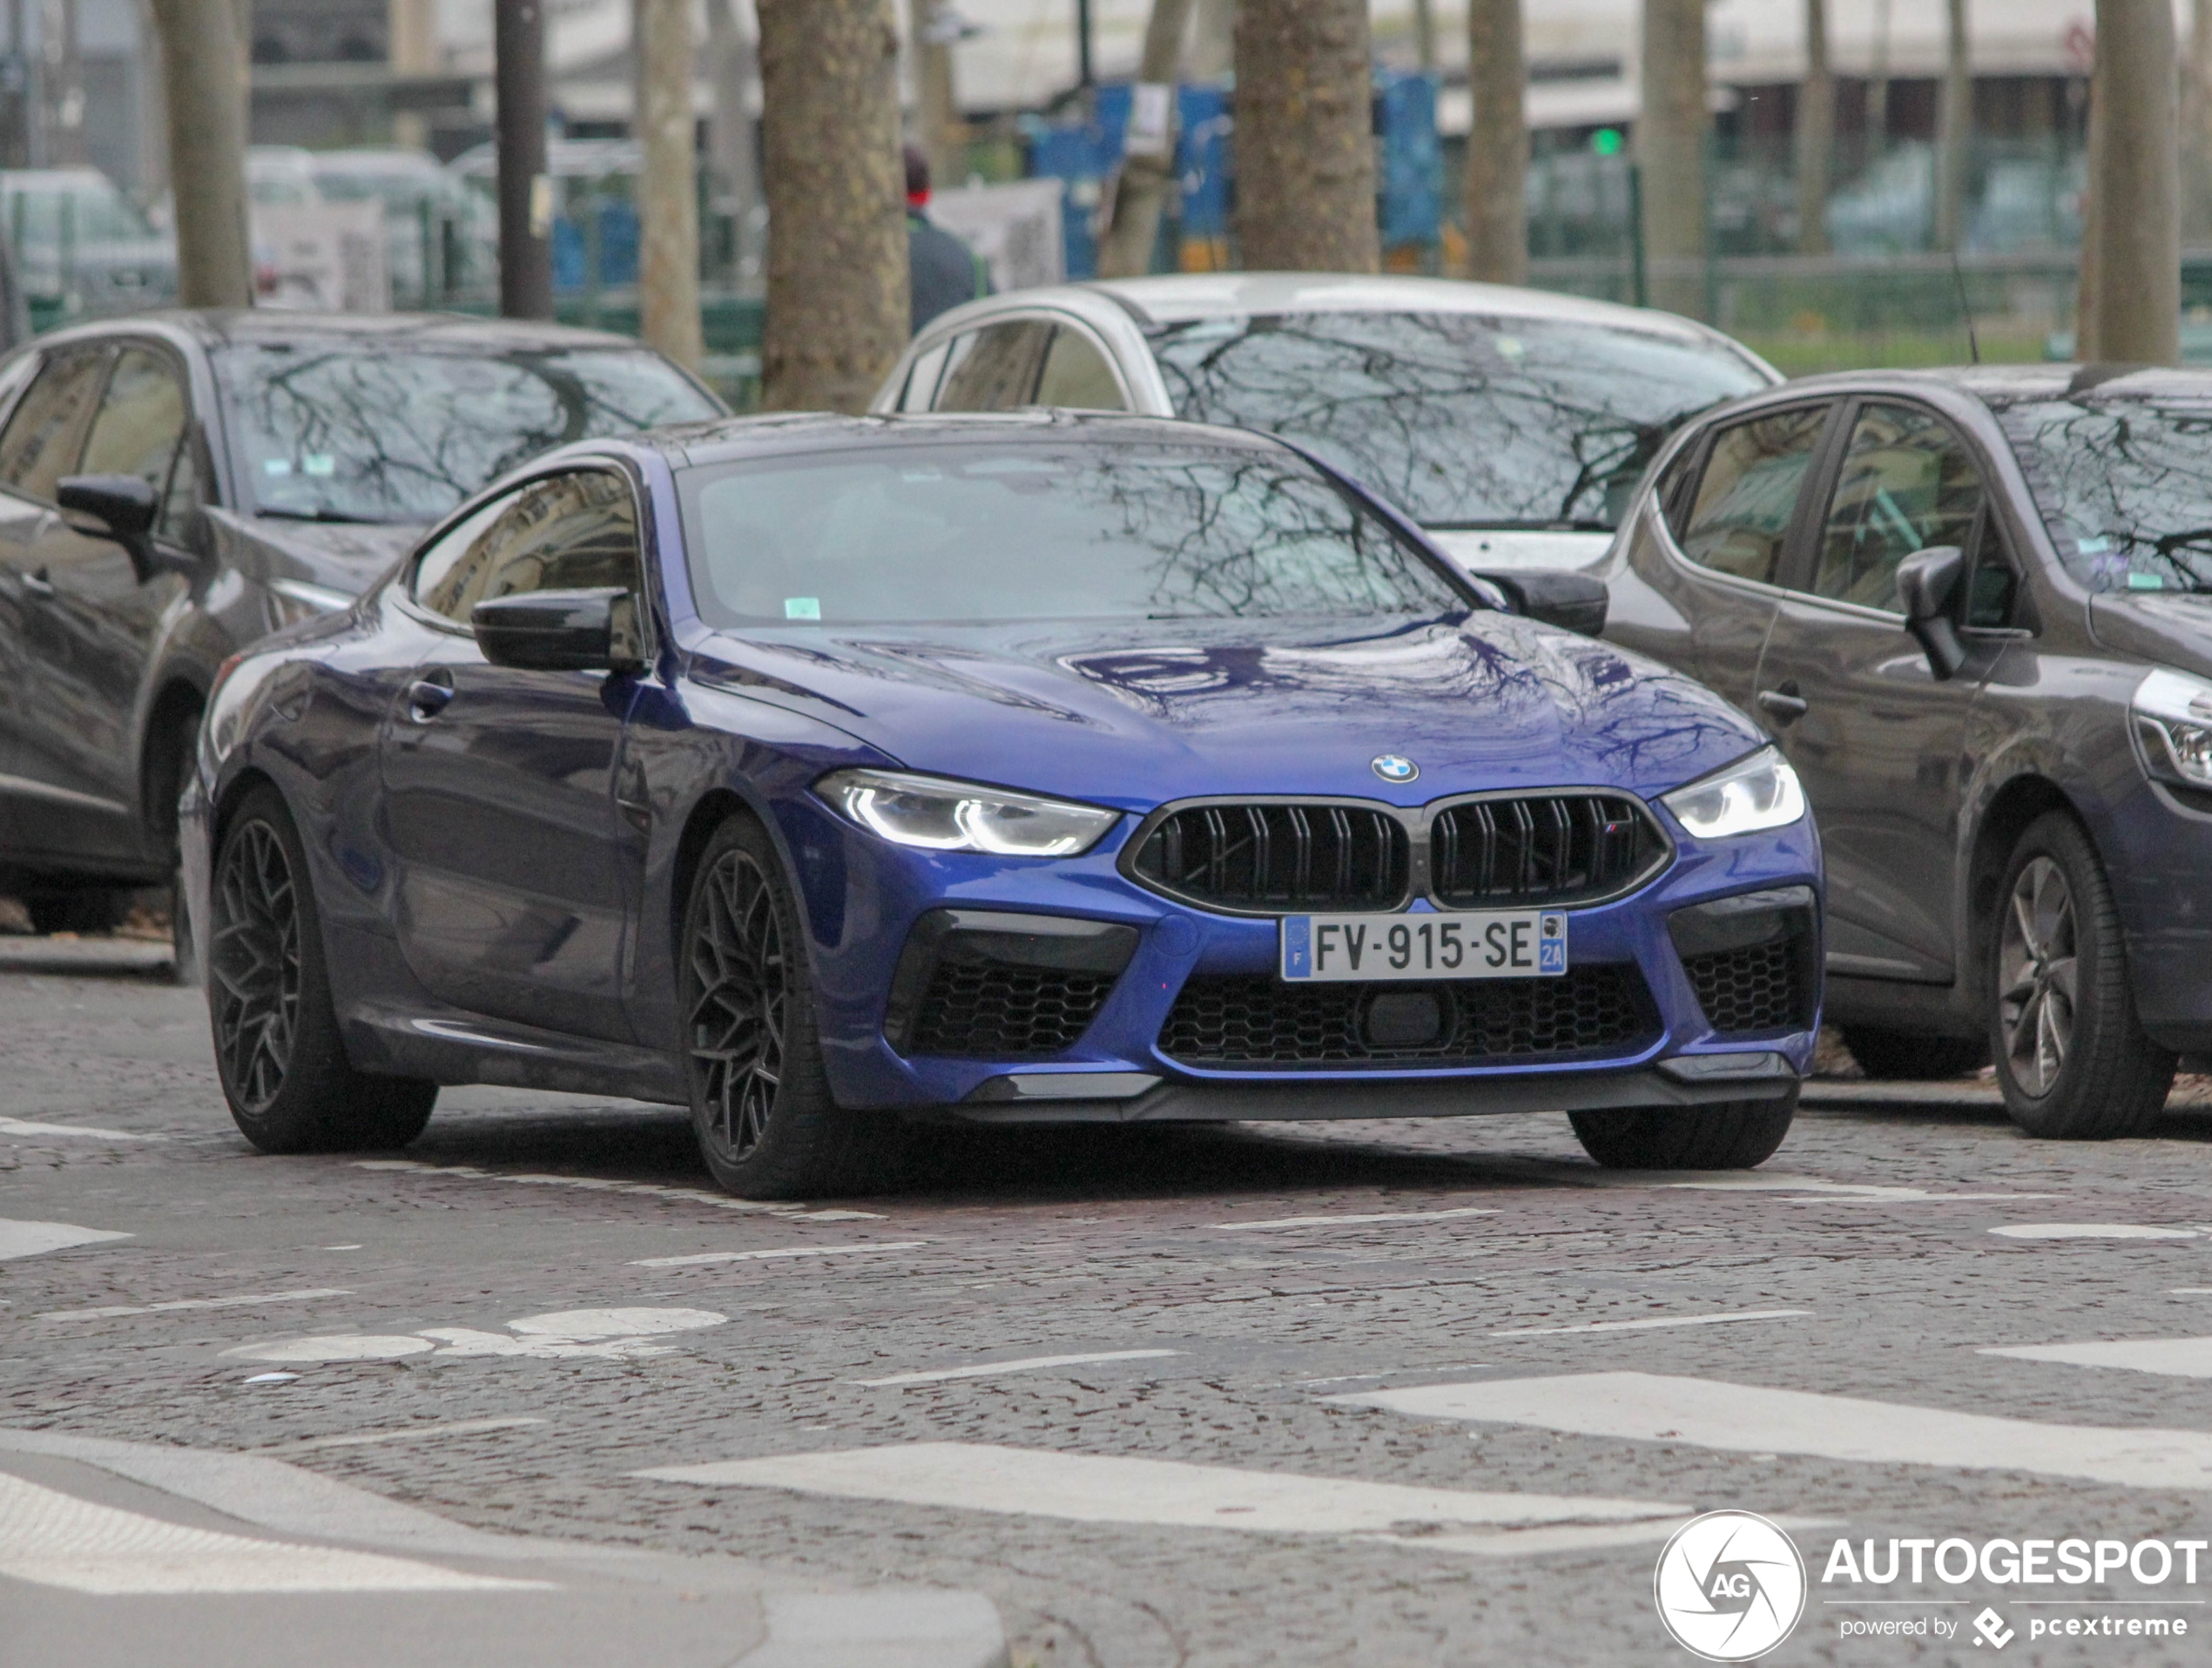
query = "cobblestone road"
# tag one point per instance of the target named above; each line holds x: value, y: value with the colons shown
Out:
x: 544, y: 1300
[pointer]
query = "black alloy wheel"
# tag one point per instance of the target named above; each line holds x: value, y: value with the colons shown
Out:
x: 278, y: 1048
x: 2071, y: 1054
x: 767, y: 1125
x: 1727, y: 1135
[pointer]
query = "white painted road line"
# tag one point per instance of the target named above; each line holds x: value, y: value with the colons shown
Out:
x: 1086, y: 1488
x: 55, y: 1540
x: 1029, y: 1364
x: 603, y: 1185
x: 2187, y: 1357
x: 409, y: 1433
x: 1746, y: 1419
x: 2090, y: 1231
x: 1807, y: 1189
x: 701, y: 1257
x: 82, y: 1132
x: 1353, y: 1221
x: 247, y: 1300
x: 1652, y: 1324
x: 30, y: 1239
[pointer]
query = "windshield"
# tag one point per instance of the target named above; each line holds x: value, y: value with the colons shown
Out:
x: 980, y: 532
x: 340, y: 431
x: 2124, y: 485
x: 1462, y: 420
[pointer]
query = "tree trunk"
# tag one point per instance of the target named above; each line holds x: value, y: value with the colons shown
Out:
x: 1497, y: 158
x: 1816, y: 133
x: 1424, y: 35
x: 2137, y: 301
x: 1211, y: 54
x: 2196, y: 128
x: 668, y: 202
x: 525, y: 188
x: 1954, y: 124
x: 206, y: 110
x: 1671, y: 153
x: 1148, y: 152
x: 1305, y: 147
x: 734, y: 166
x: 936, y: 25
x: 838, y: 305
x: 411, y: 48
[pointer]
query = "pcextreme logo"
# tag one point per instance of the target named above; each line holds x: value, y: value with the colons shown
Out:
x: 1729, y: 1586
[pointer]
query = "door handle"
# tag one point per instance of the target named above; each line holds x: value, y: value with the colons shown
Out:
x: 427, y: 699
x: 1785, y: 704
x: 38, y: 584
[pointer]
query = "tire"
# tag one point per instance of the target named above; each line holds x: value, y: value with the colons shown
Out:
x: 1900, y: 1056
x: 767, y: 1125
x: 1727, y: 1135
x: 278, y: 1048
x: 2071, y: 1055
x: 85, y: 910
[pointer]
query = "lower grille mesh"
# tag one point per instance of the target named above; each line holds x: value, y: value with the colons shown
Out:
x: 1263, y: 1022
x: 994, y: 1010
x: 1758, y: 989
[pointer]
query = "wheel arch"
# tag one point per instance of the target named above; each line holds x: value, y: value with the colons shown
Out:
x: 176, y: 709
x: 2011, y: 811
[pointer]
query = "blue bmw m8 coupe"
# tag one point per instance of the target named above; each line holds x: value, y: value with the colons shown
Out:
x: 838, y: 777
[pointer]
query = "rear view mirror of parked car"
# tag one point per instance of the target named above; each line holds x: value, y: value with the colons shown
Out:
x: 559, y: 630
x: 1926, y: 582
x: 125, y: 507
x: 1575, y: 602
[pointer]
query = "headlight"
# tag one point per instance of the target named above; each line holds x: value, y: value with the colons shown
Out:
x: 1760, y: 792
x: 293, y: 600
x: 2172, y: 715
x: 939, y: 815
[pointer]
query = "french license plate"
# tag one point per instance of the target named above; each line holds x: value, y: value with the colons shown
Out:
x: 1473, y: 944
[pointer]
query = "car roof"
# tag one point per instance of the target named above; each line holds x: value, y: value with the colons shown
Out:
x: 422, y: 332
x: 1999, y: 386
x: 726, y: 439
x: 1178, y: 298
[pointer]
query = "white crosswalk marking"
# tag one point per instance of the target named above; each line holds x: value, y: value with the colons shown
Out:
x: 2188, y: 1358
x: 1747, y: 1419
x: 30, y: 1238
x: 55, y: 1540
x: 1089, y: 1488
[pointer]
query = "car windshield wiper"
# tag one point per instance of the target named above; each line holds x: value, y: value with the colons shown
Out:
x: 324, y: 512
x: 1528, y: 526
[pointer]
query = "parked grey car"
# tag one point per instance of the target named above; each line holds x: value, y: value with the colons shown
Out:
x: 1511, y: 424
x: 176, y: 486
x: 1974, y: 608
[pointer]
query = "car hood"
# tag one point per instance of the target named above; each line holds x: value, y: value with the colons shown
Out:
x: 1512, y: 547
x: 1131, y: 714
x: 340, y: 556
x: 2173, y: 628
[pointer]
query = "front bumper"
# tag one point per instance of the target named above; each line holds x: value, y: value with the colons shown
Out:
x: 865, y: 898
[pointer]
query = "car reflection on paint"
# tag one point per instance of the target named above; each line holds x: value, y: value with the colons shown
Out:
x: 831, y: 775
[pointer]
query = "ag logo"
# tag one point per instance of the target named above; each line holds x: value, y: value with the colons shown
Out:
x: 1729, y: 1586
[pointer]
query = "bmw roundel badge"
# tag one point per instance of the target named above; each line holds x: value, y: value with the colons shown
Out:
x: 1393, y: 768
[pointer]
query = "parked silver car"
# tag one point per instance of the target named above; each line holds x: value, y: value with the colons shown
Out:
x: 1513, y: 424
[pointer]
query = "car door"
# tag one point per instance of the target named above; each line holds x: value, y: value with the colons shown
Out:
x: 514, y: 893
x: 100, y: 620
x: 1703, y: 591
x: 39, y: 445
x: 1877, y: 738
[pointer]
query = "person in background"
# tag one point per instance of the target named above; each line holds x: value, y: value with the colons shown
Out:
x: 943, y: 271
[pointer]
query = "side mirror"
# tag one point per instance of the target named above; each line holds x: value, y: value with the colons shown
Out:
x: 126, y: 507
x: 1926, y: 580
x: 1574, y: 602
x: 560, y: 630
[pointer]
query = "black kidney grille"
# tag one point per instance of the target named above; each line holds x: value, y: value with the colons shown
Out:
x: 1762, y: 987
x: 1273, y: 857
x: 1262, y: 1021
x: 998, y: 1011
x: 1541, y: 849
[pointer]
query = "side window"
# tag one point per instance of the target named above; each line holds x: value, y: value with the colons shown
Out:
x: 1995, y: 585
x: 1000, y: 372
x: 140, y: 429
x: 1741, y: 515
x: 1906, y: 483
x: 922, y: 381
x: 1667, y: 492
x: 1076, y: 374
x: 39, y: 445
x: 567, y: 532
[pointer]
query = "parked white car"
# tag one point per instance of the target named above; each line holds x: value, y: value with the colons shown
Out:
x: 1513, y: 424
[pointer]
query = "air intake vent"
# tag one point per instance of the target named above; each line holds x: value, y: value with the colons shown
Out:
x: 1263, y: 858
x: 1541, y: 849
